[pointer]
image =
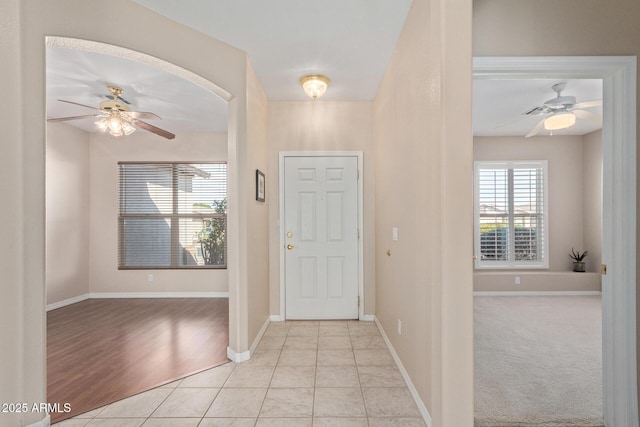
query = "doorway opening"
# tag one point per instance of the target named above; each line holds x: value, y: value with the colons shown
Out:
x: 169, y: 256
x: 618, y: 75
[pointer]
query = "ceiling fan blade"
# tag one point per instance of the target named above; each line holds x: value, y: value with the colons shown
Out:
x: 536, y: 129
x: 64, y: 119
x: 143, y: 115
x: 589, y: 104
x: 588, y: 116
x: 151, y: 128
x: 82, y: 105
x: 535, y: 111
x: 121, y: 99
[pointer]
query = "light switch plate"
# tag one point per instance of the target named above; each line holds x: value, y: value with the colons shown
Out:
x: 394, y: 234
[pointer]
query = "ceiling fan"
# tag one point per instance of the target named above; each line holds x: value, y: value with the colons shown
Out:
x: 561, y: 112
x: 116, y: 117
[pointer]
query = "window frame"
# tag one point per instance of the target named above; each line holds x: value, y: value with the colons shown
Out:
x: 511, y: 263
x: 174, y: 217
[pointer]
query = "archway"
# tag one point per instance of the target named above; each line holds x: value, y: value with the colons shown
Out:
x: 127, y: 54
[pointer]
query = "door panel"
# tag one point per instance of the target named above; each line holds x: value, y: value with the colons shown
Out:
x: 321, y: 228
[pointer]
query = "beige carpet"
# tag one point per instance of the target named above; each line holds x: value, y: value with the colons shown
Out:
x: 538, y: 361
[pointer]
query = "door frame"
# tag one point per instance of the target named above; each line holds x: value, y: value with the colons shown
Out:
x: 618, y: 73
x: 282, y: 156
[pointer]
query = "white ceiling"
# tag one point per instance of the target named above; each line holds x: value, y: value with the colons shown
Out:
x: 498, y: 105
x: 349, y: 41
x: 83, y: 77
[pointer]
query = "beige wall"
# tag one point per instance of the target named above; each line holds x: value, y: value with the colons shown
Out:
x: 536, y: 281
x: 258, y: 212
x: 19, y: 331
x: 322, y: 126
x: 574, y: 209
x: 592, y: 198
x: 105, y: 153
x: 586, y: 27
x: 527, y: 28
x: 82, y: 212
x: 424, y: 157
x: 67, y: 193
x: 564, y: 156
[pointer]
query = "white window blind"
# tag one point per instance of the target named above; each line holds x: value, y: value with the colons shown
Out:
x: 172, y: 215
x: 510, y: 215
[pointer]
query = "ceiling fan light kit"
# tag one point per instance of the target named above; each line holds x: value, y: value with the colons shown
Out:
x: 116, y: 123
x: 315, y: 85
x: 117, y: 118
x: 561, y: 112
x: 562, y: 120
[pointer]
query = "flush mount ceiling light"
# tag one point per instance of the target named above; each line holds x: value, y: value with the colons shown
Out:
x: 314, y: 85
x: 561, y: 120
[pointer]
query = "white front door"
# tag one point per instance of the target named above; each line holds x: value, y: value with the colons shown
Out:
x: 321, y: 237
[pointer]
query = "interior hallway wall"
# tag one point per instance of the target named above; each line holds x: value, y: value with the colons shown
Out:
x: 258, y: 212
x: 16, y: 369
x: 321, y: 126
x: 424, y: 164
x: 67, y: 193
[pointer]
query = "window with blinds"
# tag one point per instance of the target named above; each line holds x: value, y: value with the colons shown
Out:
x: 510, y: 214
x: 172, y: 215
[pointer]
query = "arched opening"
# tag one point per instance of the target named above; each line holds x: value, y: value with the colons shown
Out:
x: 101, y: 169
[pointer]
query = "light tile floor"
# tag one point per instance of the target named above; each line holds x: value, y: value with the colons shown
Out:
x: 303, y: 373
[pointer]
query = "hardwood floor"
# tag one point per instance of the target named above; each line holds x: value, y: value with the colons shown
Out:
x: 103, y: 350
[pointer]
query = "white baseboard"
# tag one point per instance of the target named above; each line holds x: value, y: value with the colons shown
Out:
x: 97, y: 295
x: 237, y: 357
x: 258, y: 337
x: 45, y: 422
x: 67, y: 302
x: 535, y: 293
x: 405, y: 375
x: 368, y: 318
x: 276, y: 318
x: 246, y: 355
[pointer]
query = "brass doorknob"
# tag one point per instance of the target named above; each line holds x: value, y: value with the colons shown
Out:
x: 290, y: 246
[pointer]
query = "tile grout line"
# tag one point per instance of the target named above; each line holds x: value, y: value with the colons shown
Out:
x: 315, y: 378
x: 364, y: 405
x: 272, y: 377
x: 217, y: 394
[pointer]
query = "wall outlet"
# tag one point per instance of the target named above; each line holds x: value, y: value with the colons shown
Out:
x: 517, y: 280
x: 150, y: 278
x: 399, y: 327
x: 394, y: 234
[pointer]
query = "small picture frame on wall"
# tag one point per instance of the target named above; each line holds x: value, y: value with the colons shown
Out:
x: 260, y: 186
